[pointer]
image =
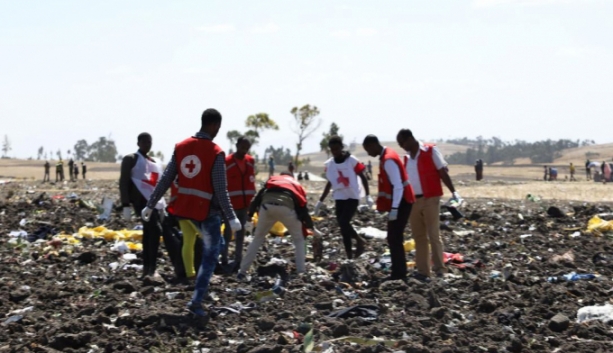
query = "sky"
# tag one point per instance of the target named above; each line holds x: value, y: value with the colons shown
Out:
x: 515, y: 69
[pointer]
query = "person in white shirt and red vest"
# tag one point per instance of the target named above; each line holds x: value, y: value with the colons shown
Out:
x: 426, y: 168
x: 198, y: 166
x: 240, y: 172
x: 344, y: 172
x: 395, y: 197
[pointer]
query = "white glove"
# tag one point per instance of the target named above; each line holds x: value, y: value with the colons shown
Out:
x: 369, y: 201
x: 126, y: 213
x: 317, y: 207
x: 235, y: 225
x: 393, y: 215
x: 248, y: 227
x: 456, y: 196
x: 146, y: 214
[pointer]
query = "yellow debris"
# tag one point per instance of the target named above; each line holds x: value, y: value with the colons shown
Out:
x: 409, y: 245
x: 598, y: 226
x: 109, y: 235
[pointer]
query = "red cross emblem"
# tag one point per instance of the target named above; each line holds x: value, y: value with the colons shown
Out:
x: 342, y: 179
x: 190, y: 166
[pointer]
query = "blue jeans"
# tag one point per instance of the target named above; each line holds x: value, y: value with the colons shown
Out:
x: 210, y: 229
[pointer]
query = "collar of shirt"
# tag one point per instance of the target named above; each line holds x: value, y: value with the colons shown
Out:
x: 202, y: 135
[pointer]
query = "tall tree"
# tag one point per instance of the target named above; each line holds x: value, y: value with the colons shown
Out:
x: 306, y: 122
x: 160, y: 156
x: 40, y: 152
x: 103, y: 150
x: 81, y: 150
x: 58, y: 154
x: 258, y: 123
x: 6, y: 146
x: 323, y: 145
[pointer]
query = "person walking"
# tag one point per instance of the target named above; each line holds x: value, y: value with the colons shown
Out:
x: 198, y: 165
x: 71, y: 169
x: 426, y: 169
x: 271, y: 166
x: 343, y: 172
x: 138, y: 178
x: 572, y: 172
x: 395, y: 197
x: 291, y: 167
x: 240, y: 172
x: 47, y: 168
x: 283, y: 200
x: 83, y: 169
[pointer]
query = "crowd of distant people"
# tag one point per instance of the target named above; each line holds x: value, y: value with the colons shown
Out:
x: 73, y: 171
x: 593, y: 171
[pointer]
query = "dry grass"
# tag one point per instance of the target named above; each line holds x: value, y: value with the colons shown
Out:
x: 579, y: 191
x: 23, y: 169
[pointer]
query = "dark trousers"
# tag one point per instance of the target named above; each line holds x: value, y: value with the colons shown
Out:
x: 395, y: 240
x: 239, y: 237
x: 345, y: 210
x: 46, y: 177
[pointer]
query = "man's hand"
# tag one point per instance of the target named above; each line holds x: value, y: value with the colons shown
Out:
x: 146, y: 214
x: 393, y: 215
x: 126, y: 213
x: 456, y: 196
x: 235, y: 225
x: 317, y: 207
x: 248, y: 227
x: 369, y: 201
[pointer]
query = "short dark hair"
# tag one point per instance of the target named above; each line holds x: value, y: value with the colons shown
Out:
x: 242, y: 139
x: 405, y: 133
x: 370, y: 139
x: 211, y: 116
x: 143, y: 135
x: 335, y: 140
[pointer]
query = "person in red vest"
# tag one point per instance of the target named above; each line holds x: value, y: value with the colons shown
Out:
x: 426, y: 169
x: 240, y: 171
x: 344, y: 172
x: 202, y: 198
x: 395, y: 197
x: 283, y: 200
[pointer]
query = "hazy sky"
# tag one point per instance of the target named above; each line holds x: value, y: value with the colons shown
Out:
x: 517, y: 69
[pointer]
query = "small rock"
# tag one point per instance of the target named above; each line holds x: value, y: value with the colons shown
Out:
x: 487, y: 306
x: 559, y: 323
x: 147, y: 290
x: 18, y: 295
x: 555, y: 212
x: 433, y: 300
x: 282, y: 340
x: 124, y: 286
x: 340, y: 331
x: 153, y: 281
x: 397, y: 285
x: 516, y: 346
x: 438, y: 313
x: 265, y: 324
x: 87, y: 257
x: 86, y: 312
x: 324, y: 306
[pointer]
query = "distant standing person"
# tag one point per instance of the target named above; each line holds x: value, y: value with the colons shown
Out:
x: 395, y: 197
x: 588, y: 170
x: 572, y: 172
x: 271, y: 166
x: 71, y: 169
x: 291, y: 168
x: 545, y: 173
x: 83, y: 169
x: 426, y: 169
x: 47, y: 168
x: 59, y: 171
x: 479, y: 169
x: 76, y: 172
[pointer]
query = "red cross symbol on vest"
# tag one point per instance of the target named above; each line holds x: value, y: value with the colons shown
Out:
x: 342, y: 179
x: 190, y: 166
x: 153, y: 179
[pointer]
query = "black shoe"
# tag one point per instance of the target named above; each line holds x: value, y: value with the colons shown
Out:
x: 423, y: 278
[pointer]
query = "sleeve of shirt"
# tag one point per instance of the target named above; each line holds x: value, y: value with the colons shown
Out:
x: 125, y: 178
x: 220, y: 187
x: 437, y: 157
x: 393, y: 173
x: 169, y: 175
x: 358, y: 167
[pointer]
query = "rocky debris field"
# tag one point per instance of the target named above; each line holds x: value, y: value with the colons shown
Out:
x: 526, y: 280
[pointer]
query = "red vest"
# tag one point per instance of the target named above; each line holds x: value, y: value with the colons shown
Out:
x: 428, y: 174
x: 241, y: 186
x: 386, y: 190
x: 174, y: 192
x: 195, y: 158
x: 288, y: 183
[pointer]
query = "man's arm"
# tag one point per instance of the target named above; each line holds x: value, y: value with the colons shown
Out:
x: 257, y: 201
x: 441, y: 166
x: 365, y: 183
x: 326, y: 192
x: 359, y: 168
x: 393, y: 173
x: 220, y: 187
x: 125, y: 178
x: 169, y: 175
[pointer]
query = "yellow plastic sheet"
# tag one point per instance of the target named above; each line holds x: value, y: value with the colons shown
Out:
x: 277, y: 229
x: 409, y: 245
x: 109, y: 235
x: 598, y: 226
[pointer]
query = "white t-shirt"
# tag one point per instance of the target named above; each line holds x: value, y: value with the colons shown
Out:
x: 413, y: 172
x: 344, y: 178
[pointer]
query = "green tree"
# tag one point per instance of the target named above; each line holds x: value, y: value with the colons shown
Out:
x: 306, y: 122
x: 41, y: 150
x: 258, y: 123
x: 6, y: 146
x: 323, y: 145
x: 103, y: 150
x: 81, y: 150
x: 58, y: 154
x: 233, y: 136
